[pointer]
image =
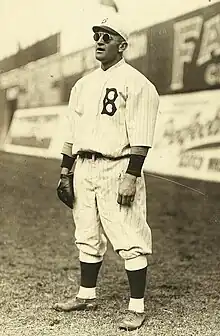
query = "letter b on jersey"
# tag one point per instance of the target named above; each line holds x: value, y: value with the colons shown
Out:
x: 109, y: 106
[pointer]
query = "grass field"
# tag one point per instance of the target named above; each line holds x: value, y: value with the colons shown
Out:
x: 39, y: 265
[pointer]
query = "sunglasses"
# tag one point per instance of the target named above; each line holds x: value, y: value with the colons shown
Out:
x: 105, y: 37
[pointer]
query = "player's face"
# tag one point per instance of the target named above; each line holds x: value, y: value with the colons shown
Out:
x: 107, y: 47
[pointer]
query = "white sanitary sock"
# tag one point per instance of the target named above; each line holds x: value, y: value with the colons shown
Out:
x: 86, y: 293
x: 136, y: 305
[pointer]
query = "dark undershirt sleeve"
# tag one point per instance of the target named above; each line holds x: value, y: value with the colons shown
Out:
x: 135, y: 165
x: 67, y: 161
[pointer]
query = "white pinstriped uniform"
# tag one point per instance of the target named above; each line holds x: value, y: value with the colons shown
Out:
x: 110, y: 111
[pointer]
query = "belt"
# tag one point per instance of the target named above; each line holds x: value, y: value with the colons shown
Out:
x: 96, y: 155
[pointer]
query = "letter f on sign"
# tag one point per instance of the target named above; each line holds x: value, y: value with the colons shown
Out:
x: 183, y: 47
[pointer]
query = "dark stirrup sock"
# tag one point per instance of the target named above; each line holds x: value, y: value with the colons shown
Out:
x: 137, y: 282
x: 89, y: 274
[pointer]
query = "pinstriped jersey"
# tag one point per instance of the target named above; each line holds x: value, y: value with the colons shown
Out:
x: 110, y: 111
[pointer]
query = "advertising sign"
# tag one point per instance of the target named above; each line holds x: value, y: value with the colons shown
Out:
x: 184, y: 53
x: 33, y: 130
x: 187, y: 139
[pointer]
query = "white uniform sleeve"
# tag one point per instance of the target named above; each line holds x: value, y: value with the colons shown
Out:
x: 141, y: 115
x: 69, y: 122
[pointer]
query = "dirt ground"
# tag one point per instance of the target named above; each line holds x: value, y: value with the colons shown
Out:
x: 39, y: 265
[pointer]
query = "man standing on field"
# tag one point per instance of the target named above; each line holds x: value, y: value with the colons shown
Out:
x: 111, y: 123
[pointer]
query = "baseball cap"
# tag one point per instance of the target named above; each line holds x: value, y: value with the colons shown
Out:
x: 113, y: 24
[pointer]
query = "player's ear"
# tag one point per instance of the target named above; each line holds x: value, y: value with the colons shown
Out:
x: 122, y: 46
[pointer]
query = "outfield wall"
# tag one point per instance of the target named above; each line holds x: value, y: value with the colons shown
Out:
x: 187, y: 137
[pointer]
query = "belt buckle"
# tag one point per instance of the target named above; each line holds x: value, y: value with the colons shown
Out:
x: 93, y: 157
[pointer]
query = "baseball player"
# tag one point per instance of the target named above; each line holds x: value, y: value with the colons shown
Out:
x: 111, y: 123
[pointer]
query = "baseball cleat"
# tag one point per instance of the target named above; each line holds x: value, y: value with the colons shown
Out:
x: 76, y: 304
x: 132, y: 320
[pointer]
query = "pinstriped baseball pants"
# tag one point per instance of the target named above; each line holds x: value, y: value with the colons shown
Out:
x: 97, y: 214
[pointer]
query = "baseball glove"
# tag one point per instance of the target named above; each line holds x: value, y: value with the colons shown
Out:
x: 65, y: 189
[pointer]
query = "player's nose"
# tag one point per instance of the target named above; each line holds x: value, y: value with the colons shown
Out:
x: 100, y: 42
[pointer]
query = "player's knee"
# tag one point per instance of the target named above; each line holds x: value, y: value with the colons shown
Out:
x: 136, y: 263
x: 89, y: 258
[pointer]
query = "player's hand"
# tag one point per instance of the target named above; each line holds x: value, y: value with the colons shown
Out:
x: 127, y: 190
x: 65, y: 189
